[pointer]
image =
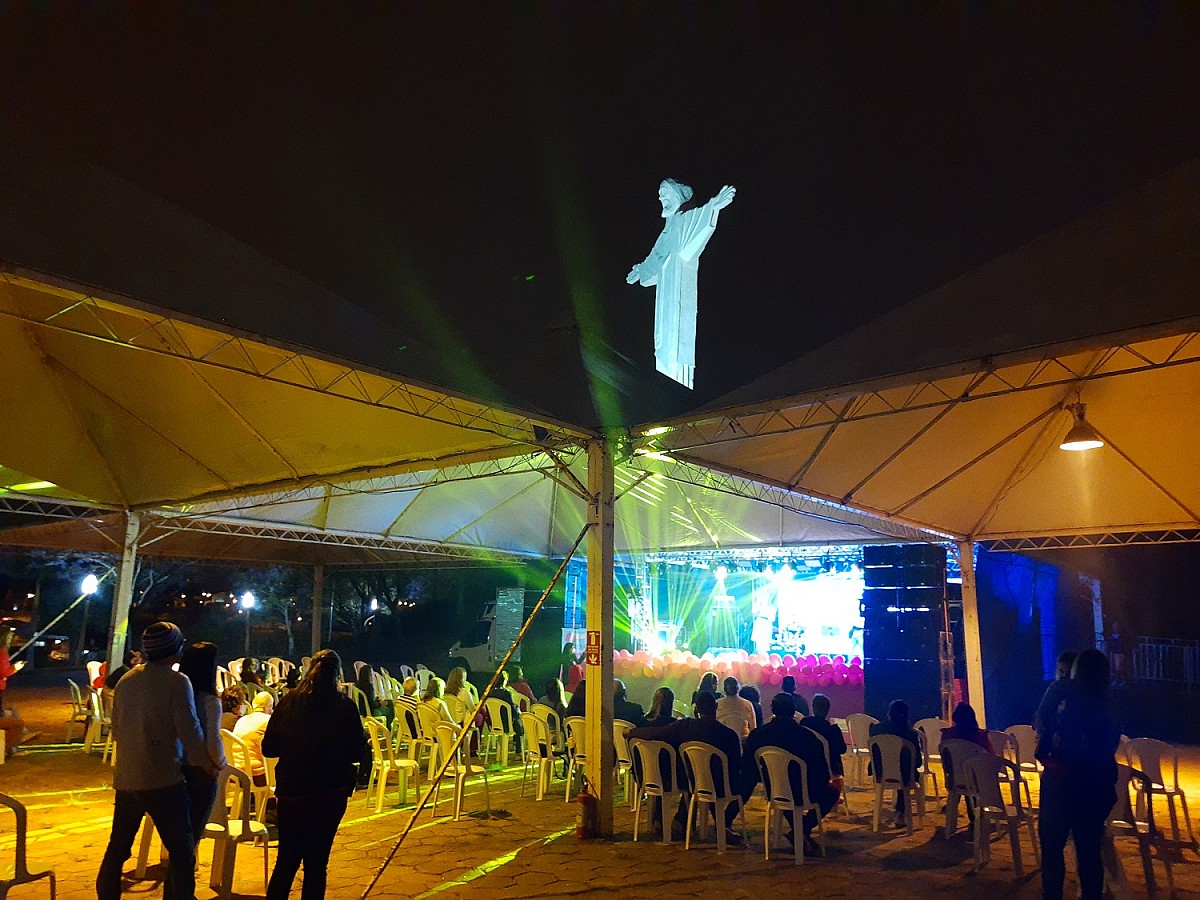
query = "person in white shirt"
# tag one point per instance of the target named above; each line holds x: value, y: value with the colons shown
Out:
x: 251, y: 728
x: 735, y: 712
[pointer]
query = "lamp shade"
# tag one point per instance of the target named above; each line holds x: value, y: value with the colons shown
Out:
x: 1082, y: 436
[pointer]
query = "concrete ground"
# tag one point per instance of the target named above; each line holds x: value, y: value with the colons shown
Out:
x: 528, y: 848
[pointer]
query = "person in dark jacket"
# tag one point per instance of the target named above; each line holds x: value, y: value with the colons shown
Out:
x: 785, y: 732
x: 662, y: 707
x: 707, y: 729
x: 750, y: 692
x: 318, y: 737
x: 788, y: 686
x: 897, y: 724
x: 819, y: 722
x: 624, y: 708
x: 1077, y: 739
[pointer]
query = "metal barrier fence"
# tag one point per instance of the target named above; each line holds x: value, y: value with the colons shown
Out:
x: 1166, y: 659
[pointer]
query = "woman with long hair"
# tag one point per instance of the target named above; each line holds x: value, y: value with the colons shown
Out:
x: 708, y: 685
x: 553, y: 697
x: 318, y: 737
x: 1077, y: 739
x: 199, y: 664
x: 434, y: 691
x: 662, y: 708
x: 966, y: 728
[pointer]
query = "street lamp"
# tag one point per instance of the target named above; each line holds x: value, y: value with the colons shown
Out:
x: 247, y: 605
x: 89, y: 586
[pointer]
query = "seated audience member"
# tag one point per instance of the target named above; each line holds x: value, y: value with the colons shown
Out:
x: 365, y: 682
x: 785, y: 732
x: 578, y: 704
x: 625, y: 709
x: 553, y: 697
x: 708, y: 685
x: 433, y: 699
x: 575, y: 678
x: 662, y: 708
x: 966, y: 728
x: 292, y: 678
x: 734, y: 711
x: 750, y: 694
x: 233, y: 704
x: 251, y: 728
x: 707, y: 729
x: 250, y: 674
x: 502, y: 692
x: 132, y: 658
x: 521, y: 685
x: 897, y: 724
x: 409, y: 687
x: 819, y: 722
x: 788, y: 686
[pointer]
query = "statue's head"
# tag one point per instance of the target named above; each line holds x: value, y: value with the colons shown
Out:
x: 672, y: 195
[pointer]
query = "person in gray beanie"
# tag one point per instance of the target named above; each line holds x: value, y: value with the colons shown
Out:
x: 155, y: 727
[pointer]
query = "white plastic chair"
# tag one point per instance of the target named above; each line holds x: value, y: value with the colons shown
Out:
x: 890, y: 773
x: 500, y: 715
x: 926, y: 769
x: 229, y: 828
x: 558, y: 735
x: 235, y: 667
x: 841, y: 800
x: 80, y: 714
x: 1147, y: 755
x: 22, y: 870
x: 859, y: 725
x: 774, y: 765
x: 655, y: 782
x: 576, y: 733
x: 1123, y: 822
x: 623, y: 768
x: 409, y: 735
x: 459, y: 770
x: 931, y: 728
x: 1004, y: 745
x: 429, y: 720
x: 698, y: 758
x: 954, y: 755
x: 1026, y: 741
x: 99, y: 725
x: 539, y: 753
x: 239, y: 756
x: 384, y: 764
x: 985, y: 774
x: 93, y: 670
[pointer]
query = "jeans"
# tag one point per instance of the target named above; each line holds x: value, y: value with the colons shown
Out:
x: 307, y: 825
x: 170, y: 810
x: 1075, y: 804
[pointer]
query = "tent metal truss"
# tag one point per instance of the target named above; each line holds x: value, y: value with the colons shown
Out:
x: 704, y: 476
x: 48, y: 507
x: 243, y: 528
x: 1105, y: 539
x: 124, y: 322
x: 978, y: 379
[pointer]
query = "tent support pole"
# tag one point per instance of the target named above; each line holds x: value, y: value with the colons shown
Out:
x: 974, y: 649
x: 118, y: 625
x: 601, y: 753
x: 318, y: 600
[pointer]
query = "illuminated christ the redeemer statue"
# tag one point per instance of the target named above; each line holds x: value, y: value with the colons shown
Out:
x: 672, y: 266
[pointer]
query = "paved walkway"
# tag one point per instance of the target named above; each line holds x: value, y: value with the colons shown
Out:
x: 528, y: 849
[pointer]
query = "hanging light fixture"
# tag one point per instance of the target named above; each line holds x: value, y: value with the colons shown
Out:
x: 1082, y: 436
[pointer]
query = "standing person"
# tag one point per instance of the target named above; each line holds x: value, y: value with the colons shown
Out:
x: 7, y: 667
x: 1055, y: 690
x: 1077, y: 739
x: 199, y: 664
x: 566, y: 660
x: 318, y: 737
x: 154, y: 723
x: 735, y: 712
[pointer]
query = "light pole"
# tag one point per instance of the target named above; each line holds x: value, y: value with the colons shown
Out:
x: 87, y: 588
x: 247, y: 605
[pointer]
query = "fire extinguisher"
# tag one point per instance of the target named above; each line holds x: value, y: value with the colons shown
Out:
x: 586, y: 818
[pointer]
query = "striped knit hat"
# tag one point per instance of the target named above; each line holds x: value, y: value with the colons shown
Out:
x: 160, y: 640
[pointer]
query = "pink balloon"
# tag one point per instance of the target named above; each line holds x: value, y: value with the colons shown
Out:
x: 824, y: 660
x: 743, y: 655
x: 856, y: 676
x: 648, y: 671
x: 856, y: 661
x: 839, y: 660
x: 824, y: 680
x: 774, y: 678
x: 625, y: 654
x: 775, y: 659
x: 839, y: 676
x: 705, y: 665
x: 807, y: 679
x: 755, y: 674
x: 789, y: 661
x: 811, y: 659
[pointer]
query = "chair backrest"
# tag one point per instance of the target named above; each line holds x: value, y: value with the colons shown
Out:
x: 500, y: 715
x: 458, y: 709
x: 358, y: 667
x: 274, y: 669
x: 93, y: 670
x: 1148, y: 754
x: 548, y: 715
x: 224, y: 679
x: 699, y: 761
x: 1026, y: 740
x: 405, y: 671
x: 893, y: 760
x: 423, y: 677
x: 235, y: 667
x: 954, y: 755
x: 577, y: 735
x: 775, y: 764
x: 931, y: 730
x: 220, y: 812
x: 1003, y: 744
x: 237, y: 752
x: 620, y: 744
x: 446, y: 735
x: 381, y: 743
x: 984, y: 772
x: 824, y: 746
x: 537, y: 738
x: 655, y: 778
x: 305, y: 661
x: 428, y: 719
x: 860, y: 729
x: 76, y: 698
x: 408, y: 725
x: 360, y: 700
x: 20, y: 866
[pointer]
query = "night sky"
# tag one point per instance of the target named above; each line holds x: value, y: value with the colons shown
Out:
x: 484, y: 175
